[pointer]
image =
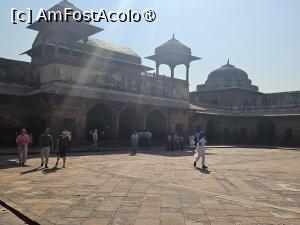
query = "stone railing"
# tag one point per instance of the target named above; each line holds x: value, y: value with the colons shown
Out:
x: 251, y: 110
x: 18, y: 72
x: 156, y: 85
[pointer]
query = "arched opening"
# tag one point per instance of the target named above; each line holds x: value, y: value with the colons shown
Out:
x: 101, y: 118
x: 156, y: 123
x: 180, y: 72
x: 164, y: 70
x: 127, y: 123
x: 265, y: 131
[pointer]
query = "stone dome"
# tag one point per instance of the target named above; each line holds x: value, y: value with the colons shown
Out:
x: 173, y: 44
x: 225, y: 77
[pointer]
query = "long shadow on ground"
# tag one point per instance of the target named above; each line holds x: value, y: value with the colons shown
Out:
x: 32, y: 170
x: 204, y: 171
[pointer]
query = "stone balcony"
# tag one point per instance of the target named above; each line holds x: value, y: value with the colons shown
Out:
x: 145, y: 83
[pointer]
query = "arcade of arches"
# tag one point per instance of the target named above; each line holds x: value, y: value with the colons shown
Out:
x: 246, y: 130
x: 119, y: 122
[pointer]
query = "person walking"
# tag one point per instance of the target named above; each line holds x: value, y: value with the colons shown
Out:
x: 134, y: 142
x: 62, y: 146
x: 169, y: 142
x: 191, y: 140
x: 181, y: 142
x: 172, y: 141
x: 22, y: 142
x: 69, y: 137
x: 95, y: 140
x: 200, y: 149
x: 46, y: 143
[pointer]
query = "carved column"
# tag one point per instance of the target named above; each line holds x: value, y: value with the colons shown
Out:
x: 116, y: 125
x: 187, y: 72
x: 143, y: 120
x: 82, y: 127
x: 172, y: 67
x: 157, y: 68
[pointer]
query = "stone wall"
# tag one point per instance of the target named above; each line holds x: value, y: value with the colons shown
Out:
x: 248, y: 130
x: 19, y: 72
x: 241, y: 98
x: 225, y: 98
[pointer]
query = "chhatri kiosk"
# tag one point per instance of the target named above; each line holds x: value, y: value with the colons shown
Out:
x: 173, y: 53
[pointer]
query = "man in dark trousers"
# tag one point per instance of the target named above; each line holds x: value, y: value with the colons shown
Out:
x: 46, y: 143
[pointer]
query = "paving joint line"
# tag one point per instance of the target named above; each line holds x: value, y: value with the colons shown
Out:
x: 17, y: 212
x: 218, y: 195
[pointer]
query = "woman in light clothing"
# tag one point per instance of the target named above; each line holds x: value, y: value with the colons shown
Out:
x: 200, y: 149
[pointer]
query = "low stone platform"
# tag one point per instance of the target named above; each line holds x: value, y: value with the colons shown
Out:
x: 241, y: 186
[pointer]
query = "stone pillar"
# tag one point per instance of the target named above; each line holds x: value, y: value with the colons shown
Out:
x: 167, y: 124
x: 82, y: 128
x: 141, y: 117
x: 116, y: 125
x: 157, y: 68
x: 187, y: 72
x: 169, y: 120
x: 50, y: 122
x: 144, y: 121
x: 172, y: 67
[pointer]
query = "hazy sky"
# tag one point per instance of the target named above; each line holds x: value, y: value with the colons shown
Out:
x: 261, y: 37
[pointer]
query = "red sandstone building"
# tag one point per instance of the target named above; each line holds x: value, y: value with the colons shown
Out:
x: 79, y: 83
x: 232, y: 110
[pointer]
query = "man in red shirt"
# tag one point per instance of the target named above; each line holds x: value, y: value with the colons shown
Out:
x: 22, y: 142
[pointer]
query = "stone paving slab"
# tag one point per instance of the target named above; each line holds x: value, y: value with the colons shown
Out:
x: 242, y: 186
x: 7, y: 217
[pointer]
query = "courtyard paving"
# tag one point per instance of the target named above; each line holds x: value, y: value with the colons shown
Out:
x: 241, y: 186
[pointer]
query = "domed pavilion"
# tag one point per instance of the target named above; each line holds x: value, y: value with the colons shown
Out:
x: 173, y: 53
x: 227, y: 77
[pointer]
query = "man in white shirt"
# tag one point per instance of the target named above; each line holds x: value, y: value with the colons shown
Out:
x: 200, y: 149
x: 95, y: 139
x: 134, y: 142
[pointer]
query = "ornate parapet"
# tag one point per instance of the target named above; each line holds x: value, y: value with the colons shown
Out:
x: 290, y: 98
x: 17, y: 72
x: 160, y: 86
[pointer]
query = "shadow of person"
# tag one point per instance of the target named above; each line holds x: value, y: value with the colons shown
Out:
x: 51, y: 170
x: 9, y: 164
x: 32, y: 170
x: 205, y: 171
